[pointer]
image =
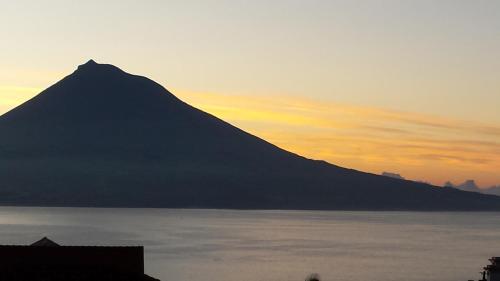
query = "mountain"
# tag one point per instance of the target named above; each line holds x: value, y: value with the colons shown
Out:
x: 103, y: 137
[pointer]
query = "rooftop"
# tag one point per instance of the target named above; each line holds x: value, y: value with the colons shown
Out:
x: 47, y: 260
x: 45, y: 242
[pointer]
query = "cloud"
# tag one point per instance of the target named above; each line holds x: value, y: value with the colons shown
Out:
x: 368, y: 138
x: 421, y: 146
x: 393, y: 175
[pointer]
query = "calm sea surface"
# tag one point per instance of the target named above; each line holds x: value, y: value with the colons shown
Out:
x: 216, y: 245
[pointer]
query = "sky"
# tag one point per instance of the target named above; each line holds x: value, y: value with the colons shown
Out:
x: 410, y: 87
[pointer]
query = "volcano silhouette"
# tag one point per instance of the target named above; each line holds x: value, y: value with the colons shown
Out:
x: 103, y: 137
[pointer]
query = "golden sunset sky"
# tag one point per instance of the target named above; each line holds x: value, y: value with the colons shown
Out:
x: 411, y: 87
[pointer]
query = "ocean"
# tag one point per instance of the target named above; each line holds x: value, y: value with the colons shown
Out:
x: 229, y: 245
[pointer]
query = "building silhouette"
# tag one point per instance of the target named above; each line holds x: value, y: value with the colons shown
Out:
x: 46, y: 260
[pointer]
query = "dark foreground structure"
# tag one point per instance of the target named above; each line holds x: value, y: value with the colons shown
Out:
x: 492, y: 271
x: 46, y: 260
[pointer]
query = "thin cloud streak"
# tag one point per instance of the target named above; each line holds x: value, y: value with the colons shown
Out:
x: 420, y: 146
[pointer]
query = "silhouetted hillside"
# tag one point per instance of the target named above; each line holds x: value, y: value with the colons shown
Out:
x: 102, y: 137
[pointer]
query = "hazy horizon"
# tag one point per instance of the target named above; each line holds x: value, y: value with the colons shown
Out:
x: 399, y: 86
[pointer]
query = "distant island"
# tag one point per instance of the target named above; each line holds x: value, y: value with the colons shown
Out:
x: 101, y: 137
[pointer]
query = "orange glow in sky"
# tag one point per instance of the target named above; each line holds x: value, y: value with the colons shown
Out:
x: 409, y: 87
x: 418, y: 146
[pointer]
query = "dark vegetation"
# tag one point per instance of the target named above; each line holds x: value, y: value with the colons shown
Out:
x: 313, y: 277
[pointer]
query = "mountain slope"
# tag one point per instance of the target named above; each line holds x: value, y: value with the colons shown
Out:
x: 102, y: 137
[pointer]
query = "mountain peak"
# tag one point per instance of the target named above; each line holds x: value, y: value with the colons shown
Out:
x: 97, y: 68
x: 89, y: 63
